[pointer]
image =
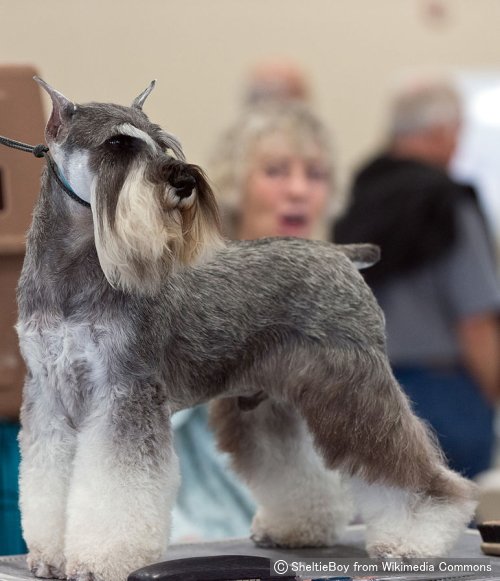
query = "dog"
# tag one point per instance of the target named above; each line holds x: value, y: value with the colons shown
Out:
x: 132, y: 306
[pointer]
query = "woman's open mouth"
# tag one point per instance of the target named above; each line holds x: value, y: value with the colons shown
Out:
x: 293, y: 225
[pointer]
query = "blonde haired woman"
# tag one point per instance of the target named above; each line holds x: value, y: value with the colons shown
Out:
x: 273, y: 175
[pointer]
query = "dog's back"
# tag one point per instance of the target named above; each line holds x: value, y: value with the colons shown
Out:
x: 255, y: 296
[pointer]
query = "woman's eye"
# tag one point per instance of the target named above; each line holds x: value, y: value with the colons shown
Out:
x: 275, y: 171
x: 317, y: 173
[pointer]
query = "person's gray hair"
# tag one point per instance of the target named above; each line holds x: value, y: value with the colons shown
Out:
x: 234, y: 153
x: 421, y: 105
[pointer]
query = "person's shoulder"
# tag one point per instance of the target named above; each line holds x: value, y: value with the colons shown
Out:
x: 469, y: 215
x: 408, y: 172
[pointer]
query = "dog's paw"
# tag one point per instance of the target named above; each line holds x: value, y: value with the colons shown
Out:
x: 44, y: 568
x: 394, y: 551
x: 264, y: 541
x: 84, y: 576
x: 110, y: 569
x: 114, y: 560
x: 270, y: 532
x: 81, y: 573
x: 383, y: 552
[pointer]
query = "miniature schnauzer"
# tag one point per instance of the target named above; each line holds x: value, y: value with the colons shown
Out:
x: 132, y: 306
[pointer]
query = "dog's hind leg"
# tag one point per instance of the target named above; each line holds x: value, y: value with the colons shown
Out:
x: 300, y: 502
x: 123, y: 488
x: 47, y: 443
x: 362, y: 423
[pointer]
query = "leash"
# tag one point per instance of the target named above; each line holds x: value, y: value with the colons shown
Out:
x: 42, y: 150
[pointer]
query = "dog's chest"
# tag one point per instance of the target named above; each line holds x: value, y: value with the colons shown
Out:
x: 62, y: 357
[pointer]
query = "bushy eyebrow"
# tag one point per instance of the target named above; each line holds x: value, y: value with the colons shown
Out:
x: 132, y: 131
x: 171, y: 142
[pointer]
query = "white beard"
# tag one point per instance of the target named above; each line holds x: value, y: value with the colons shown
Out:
x: 147, y: 241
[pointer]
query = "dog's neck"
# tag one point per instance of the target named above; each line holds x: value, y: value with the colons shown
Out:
x: 61, y: 251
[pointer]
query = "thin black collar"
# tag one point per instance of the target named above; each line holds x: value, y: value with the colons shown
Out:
x: 42, y: 150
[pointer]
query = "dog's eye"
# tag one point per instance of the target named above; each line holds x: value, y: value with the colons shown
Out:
x: 123, y: 142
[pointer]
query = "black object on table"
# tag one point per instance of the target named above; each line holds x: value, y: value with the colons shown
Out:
x: 215, y: 568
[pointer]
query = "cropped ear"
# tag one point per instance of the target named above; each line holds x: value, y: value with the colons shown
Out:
x: 62, y: 111
x: 138, y: 102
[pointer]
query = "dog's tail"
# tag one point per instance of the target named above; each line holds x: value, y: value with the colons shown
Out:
x: 363, y: 255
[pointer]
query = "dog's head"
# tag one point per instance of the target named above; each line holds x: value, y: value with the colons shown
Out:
x: 151, y: 211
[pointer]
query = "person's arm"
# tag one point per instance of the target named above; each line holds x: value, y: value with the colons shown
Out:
x: 471, y: 294
x: 479, y: 339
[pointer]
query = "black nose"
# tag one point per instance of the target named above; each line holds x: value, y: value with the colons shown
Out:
x: 183, y: 185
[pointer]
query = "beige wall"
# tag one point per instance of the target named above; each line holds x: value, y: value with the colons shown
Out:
x: 199, y: 51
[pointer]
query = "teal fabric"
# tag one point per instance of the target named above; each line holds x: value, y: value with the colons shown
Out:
x: 11, y: 540
x: 212, y: 502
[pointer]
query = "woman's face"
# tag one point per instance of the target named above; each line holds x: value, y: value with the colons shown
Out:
x: 286, y: 191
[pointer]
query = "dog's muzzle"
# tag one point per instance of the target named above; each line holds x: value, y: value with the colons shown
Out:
x: 184, y: 185
x: 180, y: 176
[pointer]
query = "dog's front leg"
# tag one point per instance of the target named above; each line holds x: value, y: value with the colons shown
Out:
x: 124, y: 484
x: 47, y: 448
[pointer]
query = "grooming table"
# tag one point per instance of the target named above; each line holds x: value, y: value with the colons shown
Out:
x: 352, y: 546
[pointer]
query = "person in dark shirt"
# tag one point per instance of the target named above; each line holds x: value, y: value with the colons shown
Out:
x: 437, y: 280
